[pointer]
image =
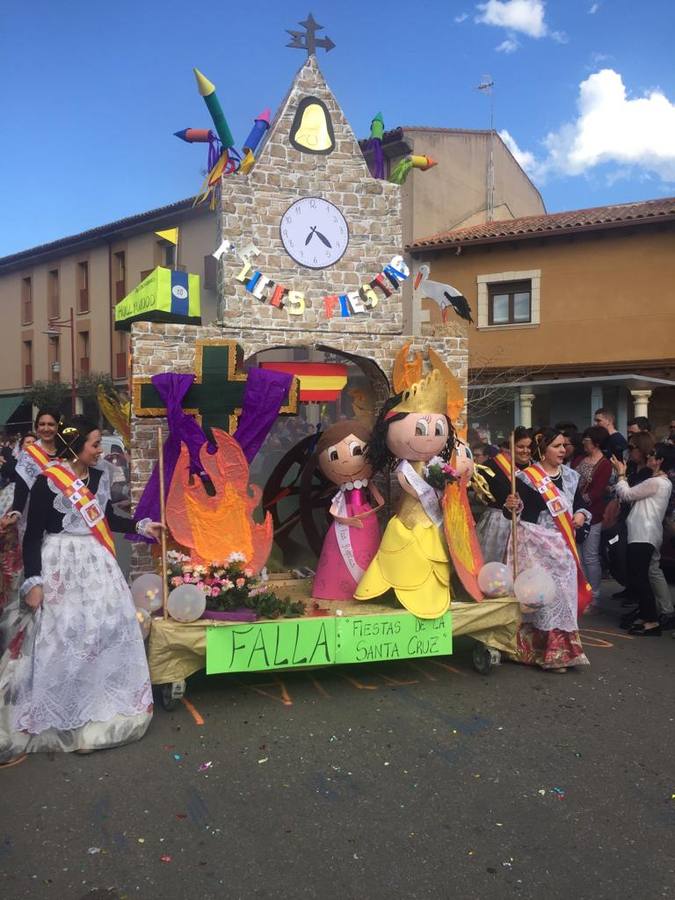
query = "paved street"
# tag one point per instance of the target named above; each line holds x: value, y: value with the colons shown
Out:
x: 387, y: 780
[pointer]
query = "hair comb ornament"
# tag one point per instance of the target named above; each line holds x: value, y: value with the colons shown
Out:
x: 68, y: 437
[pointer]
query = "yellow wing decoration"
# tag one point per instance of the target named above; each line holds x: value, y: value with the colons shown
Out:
x: 116, y: 411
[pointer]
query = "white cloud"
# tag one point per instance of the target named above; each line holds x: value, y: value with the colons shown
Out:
x: 462, y: 17
x: 634, y: 135
x: 593, y: 9
x: 524, y: 158
x: 526, y: 16
x: 510, y: 45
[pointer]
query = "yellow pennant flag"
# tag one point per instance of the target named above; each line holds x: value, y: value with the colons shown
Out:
x: 171, y: 235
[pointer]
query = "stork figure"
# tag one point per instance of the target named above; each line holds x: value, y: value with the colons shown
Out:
x: 445, y: 295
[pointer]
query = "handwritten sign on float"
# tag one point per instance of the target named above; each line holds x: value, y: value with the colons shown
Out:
x: 328, y: 641
x: 363, y: 639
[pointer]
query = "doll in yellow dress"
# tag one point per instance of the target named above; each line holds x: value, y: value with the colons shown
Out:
x: 413, y: 557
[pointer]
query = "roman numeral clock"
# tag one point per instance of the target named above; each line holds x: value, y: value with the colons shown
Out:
x: 314, y: 233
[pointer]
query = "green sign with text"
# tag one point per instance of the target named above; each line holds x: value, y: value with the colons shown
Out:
x: 363, y: 639
x: 270, y: 645
x: 324, y: 641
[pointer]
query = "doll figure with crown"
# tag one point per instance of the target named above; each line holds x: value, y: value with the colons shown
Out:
x: 412, y: 430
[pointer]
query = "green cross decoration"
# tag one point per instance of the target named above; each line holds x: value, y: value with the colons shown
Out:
x: 215, y: 398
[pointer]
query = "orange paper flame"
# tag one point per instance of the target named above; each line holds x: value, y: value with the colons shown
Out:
x: 214, y: 527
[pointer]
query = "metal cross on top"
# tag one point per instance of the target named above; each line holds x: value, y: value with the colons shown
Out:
x: 308, y: 41
x: 216, y: 397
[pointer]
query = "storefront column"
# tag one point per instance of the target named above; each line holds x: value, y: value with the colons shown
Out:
x: 526, y: 400
x: 641, y: 403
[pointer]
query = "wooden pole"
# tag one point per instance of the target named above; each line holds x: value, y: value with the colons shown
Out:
x: 162, y: 514
x: 514, y: 516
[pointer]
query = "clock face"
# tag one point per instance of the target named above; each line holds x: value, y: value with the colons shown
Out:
x: 314, y: 233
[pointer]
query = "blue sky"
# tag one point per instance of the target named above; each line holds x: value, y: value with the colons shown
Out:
x: 92, y: 92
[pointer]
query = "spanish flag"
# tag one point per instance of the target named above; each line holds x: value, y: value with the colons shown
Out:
x: 319, y: 382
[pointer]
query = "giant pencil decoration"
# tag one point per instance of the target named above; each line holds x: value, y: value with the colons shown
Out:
x: 407, y: 164
x: 208, y: 91
x: 196, y: 135
x: 375, y: 144
x: 260, y: 126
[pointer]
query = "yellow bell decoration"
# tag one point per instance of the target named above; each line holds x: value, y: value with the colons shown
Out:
x: 312, y: 129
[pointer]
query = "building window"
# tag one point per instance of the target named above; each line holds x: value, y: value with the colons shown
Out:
x: 27, y: 361
x: 26, y: 300
x: 83, y: 351
x: 121, y: 355
x: 53, y: 300
x: 83, y: 287
x: 509, y: 299
x: 54, y: 359
x: 167, y: 254
x: 210, y: 273
x: 510, y: 303
x: 120, y: 276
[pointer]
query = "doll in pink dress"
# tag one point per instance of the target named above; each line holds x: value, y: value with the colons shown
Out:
x: 354, y: 536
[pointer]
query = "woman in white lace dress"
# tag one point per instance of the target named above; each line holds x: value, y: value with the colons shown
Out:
x: 75, y: 675
x: 549, y: 637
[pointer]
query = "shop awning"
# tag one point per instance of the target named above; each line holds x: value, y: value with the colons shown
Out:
x: 8, y: 406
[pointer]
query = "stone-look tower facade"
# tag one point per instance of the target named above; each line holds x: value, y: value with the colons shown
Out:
x: 251, y: 209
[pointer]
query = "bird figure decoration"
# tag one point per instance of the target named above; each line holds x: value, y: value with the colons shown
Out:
x: 445, y: 295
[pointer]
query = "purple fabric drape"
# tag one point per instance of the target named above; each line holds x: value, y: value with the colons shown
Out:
x: 172, y: 389
x: 264, y: 395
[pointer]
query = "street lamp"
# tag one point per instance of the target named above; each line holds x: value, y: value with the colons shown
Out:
x: 67, y: 323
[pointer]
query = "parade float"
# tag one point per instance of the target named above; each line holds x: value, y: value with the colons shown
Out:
x: 286, y: 547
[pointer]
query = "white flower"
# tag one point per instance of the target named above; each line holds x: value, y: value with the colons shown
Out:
x: 236, y: 557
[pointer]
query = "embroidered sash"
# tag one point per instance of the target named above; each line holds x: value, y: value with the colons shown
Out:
x: 503, y: 463
x: 558, y: 507
x: 426, y: 494
x: 38, y: 455
x: 344, y: 540
x: 82, y: 499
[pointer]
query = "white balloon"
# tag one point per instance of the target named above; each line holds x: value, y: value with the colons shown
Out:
x: 534, y: 588
x: 144, y: 621
x: 186, y: 603
x: 495, y: 580
x: 147, y: 591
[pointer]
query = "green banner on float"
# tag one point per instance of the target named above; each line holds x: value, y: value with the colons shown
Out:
x: 362, y: 639
x: 325, y: 641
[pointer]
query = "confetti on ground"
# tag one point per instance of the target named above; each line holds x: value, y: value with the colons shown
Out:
x: 165, y: 858
x: 205, y: 765
x: 560, y: 794
x: 181, y: 815
x: 141, y: 840
x: 263, y: 760
x: 93, y: 851
x: 177, y: 757
x: 542, y: 792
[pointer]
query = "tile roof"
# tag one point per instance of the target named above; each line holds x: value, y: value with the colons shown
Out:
x: 99, y: 233
x: 553, y: 224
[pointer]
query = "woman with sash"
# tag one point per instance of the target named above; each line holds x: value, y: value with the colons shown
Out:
x: 493, y: 529
x: 550, y: 508
x: 34, y: 457
x: 75, y: 675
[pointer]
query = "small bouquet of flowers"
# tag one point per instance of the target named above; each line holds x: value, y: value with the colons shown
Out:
x: 438, y: 473
x: 230, y: 585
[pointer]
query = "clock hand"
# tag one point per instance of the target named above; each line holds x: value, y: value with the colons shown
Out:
x: 324, y: 239
x: 310, y: 235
